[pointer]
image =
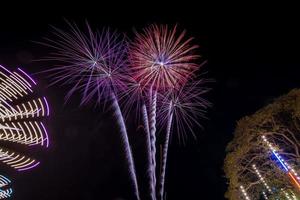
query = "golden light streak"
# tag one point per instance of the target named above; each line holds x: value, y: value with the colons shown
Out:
x: 21, y: 117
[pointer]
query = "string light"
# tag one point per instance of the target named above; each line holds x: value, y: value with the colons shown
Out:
x: 294, y: 196
x: 261, y: 178
x: 244, y: 192
x: 265, y: 195
x: 286, y: 194
x: 287, y: 168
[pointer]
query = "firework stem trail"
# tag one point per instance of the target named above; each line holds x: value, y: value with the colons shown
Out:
x: 165, y: 154
x: 125, y: 141
x: 152, y: 126
x: 149, y: 153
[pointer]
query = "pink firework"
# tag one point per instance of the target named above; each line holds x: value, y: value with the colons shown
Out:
x: 162, y: 58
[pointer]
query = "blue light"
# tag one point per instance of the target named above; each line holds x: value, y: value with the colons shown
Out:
x: 283, y: 165
x: 4, y: 183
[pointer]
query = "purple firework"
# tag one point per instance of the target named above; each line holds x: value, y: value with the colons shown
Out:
x: 93, y: 63
x: 135, y: 97
x: 186, y: 105
x: 180, y: 109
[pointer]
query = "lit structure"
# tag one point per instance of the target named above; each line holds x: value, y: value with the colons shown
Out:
x: 294, y: 196
x: 261, y: 178
x: 5, y: 190
x: 265, y: 195
x: 21, y: 117
x: 286, y: 194
x: 287, y: 168
x: 244, y: 192
x: 291, y: 194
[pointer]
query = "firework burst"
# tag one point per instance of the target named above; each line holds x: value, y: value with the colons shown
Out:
x: 162, y: 58
x: 151, y: 74
x: 135, y: 98
x: 180, y: 109
x: 94, y: 63
x: 186, y: 106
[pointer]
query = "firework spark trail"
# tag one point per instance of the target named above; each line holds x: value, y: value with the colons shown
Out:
x: 188, y: 106
x: 180, y: 108
x: 152, y: 125
x: 125, y: 141
x: 163, y: 59
x: 149, y: 152
x: 134, y: 98
x: 165, y: 154
x: 146, y: 120
x: 94, y: 64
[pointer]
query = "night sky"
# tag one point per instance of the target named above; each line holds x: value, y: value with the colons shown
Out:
x: 253, y: 56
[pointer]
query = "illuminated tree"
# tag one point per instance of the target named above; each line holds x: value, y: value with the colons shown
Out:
x: 279, y: 123
x: 21, y: 114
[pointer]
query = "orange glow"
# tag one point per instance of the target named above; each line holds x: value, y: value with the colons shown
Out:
x: 295, y: 181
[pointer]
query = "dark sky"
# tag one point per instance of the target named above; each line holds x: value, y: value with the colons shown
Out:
x: 253, y: 55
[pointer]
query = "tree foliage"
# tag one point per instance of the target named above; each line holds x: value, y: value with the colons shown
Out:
x: 280, y: 123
